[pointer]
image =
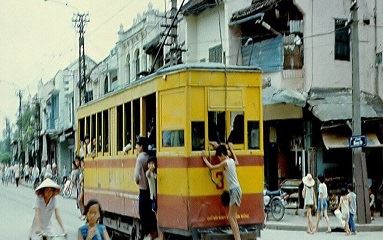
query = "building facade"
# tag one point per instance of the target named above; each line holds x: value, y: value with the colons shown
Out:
x: 303, y: 48
x: 58, y: 101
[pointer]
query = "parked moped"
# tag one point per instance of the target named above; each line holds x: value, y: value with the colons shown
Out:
x: 274, y: 203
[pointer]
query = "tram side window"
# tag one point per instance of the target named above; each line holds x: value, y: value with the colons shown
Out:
x: 82, y: 128
x: 105, y: 129
x: 173, y: 138
x: 216, y: 121
x: 253, y: 134
x: 237, y: 130
x: 82, y: 135
x: 128, y: 127
x: 93, y: 136
x: 120, y: 127
x: 198, y: 136
x: 99, y: 132
x: 87, y: 131
x: 136, y: 120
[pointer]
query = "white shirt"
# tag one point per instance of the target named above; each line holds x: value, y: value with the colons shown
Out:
x: 352, y: 198
x: 322, y: 189
x: 231, y: 174
x: 46, y: 212
x: 152, y: 178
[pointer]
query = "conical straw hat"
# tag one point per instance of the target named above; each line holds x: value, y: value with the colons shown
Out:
x: 48, y: 183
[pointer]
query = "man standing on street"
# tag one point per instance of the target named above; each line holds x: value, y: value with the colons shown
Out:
x: 148, y: 219
x: 352, y: 199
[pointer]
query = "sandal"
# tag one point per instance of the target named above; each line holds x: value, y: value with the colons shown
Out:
x: 328, y: 231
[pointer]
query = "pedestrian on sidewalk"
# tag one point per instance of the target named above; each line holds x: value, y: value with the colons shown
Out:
x: 46, y: 204
x: 17, y: 174
x: 322, y: 203
x: 344, y: 207
x: 309, y: 200
x: 93, y: 229
x: 372, y: 202
x: 352, y: 200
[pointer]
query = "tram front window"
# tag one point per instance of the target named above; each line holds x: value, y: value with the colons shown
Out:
x: 253, y: 134
x: 216, y: 121
x: 237, y: 123
x: 198, y: 136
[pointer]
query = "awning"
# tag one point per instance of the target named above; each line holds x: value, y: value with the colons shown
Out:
x: 281, y: 104
x: 333, y: 140
x: 255, y: 7
x: 195, y: 7
x: 336, y: 104
x: 271, y: 95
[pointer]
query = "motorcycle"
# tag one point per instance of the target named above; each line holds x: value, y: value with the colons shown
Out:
x: 274, y: 203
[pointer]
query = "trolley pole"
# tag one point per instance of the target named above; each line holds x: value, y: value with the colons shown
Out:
x: 358, y: 157
x: 80, y: 21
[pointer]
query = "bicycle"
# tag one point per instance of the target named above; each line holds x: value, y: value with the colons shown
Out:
x: 46, y: 236
x: 67, y: 190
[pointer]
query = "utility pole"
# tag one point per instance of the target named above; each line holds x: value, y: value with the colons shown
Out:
x: 358, y: 157
x: 80, y: 21
x: 20, y: 95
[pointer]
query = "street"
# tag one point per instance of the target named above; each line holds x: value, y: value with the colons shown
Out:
x: 16, y: 208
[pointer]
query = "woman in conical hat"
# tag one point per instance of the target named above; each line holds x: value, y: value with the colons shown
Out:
x: 309, y: 200
x: 44, y: 207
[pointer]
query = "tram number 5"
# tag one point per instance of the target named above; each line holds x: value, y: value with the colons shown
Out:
x: 217, y: 178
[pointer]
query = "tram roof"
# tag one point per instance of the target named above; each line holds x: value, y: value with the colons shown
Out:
x: 206, y: 66
x: 218, y: 67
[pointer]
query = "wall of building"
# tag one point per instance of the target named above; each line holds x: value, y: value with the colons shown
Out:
x: 321, y: 68
x: 203, y: 33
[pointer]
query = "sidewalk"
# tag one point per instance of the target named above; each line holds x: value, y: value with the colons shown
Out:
x: 299, y: 223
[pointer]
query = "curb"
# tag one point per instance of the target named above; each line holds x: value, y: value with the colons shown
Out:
x: 285, y: 227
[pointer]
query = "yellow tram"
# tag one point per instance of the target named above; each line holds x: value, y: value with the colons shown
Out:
x: 181, y: 109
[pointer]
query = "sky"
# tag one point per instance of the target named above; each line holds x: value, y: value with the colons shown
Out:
x: 37, y: 39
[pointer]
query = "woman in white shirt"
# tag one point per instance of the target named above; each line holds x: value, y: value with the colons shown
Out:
x: 322, y: 203
x: 44, y: 208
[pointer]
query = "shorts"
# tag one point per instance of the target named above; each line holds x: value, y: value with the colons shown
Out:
x: 235, y: 196
x: 311, y: 206
x: 322, y: 205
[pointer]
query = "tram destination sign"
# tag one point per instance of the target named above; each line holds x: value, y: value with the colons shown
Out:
x: 357, y: 141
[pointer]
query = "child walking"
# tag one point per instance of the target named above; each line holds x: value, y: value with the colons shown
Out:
x: 230, y: 173
x: 93, y: 229
x: 45, y: 206
x: 151, y: 175
x: 352, y: 200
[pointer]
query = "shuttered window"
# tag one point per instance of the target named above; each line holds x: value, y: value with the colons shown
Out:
x: 342, y: 40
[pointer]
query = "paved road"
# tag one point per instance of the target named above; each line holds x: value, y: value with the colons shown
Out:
x: 16, y: 213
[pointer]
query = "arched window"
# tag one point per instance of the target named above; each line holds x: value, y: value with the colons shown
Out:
x: 137, y: 61
x: 106, y: 85
x: 128, y: 68
x: 144, y: 62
